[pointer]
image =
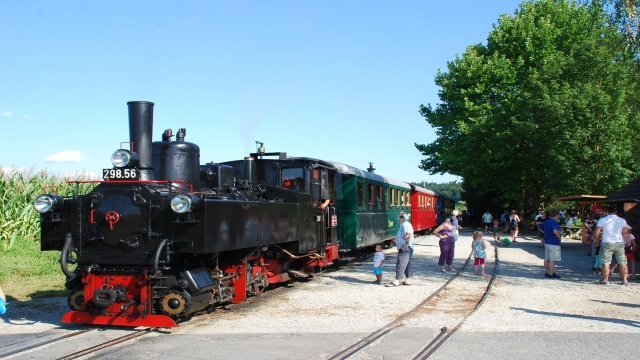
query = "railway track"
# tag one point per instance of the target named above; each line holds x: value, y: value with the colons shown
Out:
x: 65, y: 346
x: 428, y: 304
x: 43, y: 342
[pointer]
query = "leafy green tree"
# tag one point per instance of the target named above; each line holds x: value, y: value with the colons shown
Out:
x: 548, y: 107
x: 452, y: 190
x: 625, y: 14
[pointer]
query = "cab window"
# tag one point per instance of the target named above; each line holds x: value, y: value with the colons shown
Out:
x: 293, y: 179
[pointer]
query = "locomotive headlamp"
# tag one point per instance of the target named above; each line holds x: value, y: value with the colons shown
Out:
x: 182, y: 203
x: 46, y: 203
x: 122, y: 158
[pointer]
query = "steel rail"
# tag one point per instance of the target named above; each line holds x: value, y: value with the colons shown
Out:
x: 439, y: 340
x: 369, y: 339
x: 106, y: 344
x: 43, y: 343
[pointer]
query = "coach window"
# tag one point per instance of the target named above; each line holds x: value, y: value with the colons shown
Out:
x: 372, y: 196
x: 379, y: 197
x: 390, y: 194
x: 361, y: 194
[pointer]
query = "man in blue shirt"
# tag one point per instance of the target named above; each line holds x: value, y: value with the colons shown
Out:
x: 552, y: 236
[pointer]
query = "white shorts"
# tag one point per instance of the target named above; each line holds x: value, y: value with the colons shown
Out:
x: 552, y: 252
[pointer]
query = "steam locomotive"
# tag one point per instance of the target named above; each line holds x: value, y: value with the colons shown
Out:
x: 163, y: 237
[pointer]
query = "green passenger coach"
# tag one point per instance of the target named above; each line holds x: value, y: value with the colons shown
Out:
x: 368, y: 206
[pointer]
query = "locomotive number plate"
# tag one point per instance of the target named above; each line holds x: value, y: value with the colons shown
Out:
x: 120, y: 174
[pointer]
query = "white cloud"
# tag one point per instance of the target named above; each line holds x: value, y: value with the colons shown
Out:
x: 66, y: 156
x: 26, y: 117
x: 6, y: 114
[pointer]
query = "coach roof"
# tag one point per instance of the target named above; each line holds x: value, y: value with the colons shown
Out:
x: 350, y: 170
x: 422, y: 190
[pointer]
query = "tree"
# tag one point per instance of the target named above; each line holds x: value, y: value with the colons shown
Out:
x: 452, y: 190
x: 625, y: 14
x: 548, y: 107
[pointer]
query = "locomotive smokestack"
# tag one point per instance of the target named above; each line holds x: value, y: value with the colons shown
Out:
x: 140, y: 132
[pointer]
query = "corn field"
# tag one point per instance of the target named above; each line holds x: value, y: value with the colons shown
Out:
x: 19, y: 221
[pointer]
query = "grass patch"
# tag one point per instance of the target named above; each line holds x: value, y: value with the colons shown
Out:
x: 25, y: 271
x: 28, y: 273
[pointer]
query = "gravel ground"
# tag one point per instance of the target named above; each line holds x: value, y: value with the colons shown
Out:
x: 336, y: 308
x: 33, y: 316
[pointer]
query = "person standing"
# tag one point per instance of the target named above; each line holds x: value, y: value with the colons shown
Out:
x: 504, y: 219
x: 613, y: 229
x: 405, y: 245
x: 447, y: 243
x: 496, y: 227
x: 552, y: 237
x: 479, y: 252
x: 487, y: 218
x: 514, y: 221
x: 378, y: 261
x: 539, y: 225
x: 455, y: 224
x: 630, y: 252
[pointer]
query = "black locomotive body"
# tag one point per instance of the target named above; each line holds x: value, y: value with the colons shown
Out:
x: 163, y: 237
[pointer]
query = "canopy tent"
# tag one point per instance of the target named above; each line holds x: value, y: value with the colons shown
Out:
x: 628, y: 193
x: 583, y: 200
x: 587, y: 199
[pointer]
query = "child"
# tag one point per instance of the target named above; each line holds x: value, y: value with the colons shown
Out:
x: 629, y: 251
x: 597, y: 262
x: 378, y: 261
x: 478, y: 245
x: 496, y: 227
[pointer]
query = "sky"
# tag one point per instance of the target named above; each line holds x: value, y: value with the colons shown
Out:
x: 333, y: 80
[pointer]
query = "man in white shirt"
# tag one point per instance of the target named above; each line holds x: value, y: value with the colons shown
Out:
x: 487, y: 218
x: 404, y: 243
x: 613, y: 229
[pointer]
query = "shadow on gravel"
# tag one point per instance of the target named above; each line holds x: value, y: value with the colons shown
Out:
x: 350, y: 279
x: 632, y: 323
x: 425, y: 268
x: 618, y: 304
x: 575, y: 265
x: 36, y: 311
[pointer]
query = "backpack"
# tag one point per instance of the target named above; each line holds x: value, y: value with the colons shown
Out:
x: 514, y: 222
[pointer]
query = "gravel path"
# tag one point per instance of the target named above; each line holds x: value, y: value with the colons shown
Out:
x: 317, y: 318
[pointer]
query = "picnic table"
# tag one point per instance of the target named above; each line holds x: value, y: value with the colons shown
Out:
x: 572, y: 232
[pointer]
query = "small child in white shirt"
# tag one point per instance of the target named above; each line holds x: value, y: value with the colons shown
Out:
x: 378, y: 261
